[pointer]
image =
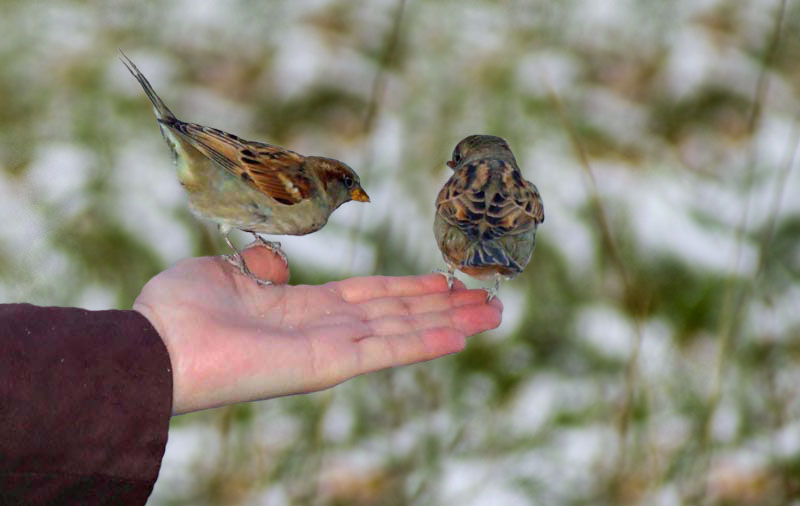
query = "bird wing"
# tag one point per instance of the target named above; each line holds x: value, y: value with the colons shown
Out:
x: 272, y: 170
x: 517, y: 205
x: 462, y: 200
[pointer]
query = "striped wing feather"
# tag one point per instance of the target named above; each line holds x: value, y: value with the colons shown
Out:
x: 489, y: 199
x: 274, y: 171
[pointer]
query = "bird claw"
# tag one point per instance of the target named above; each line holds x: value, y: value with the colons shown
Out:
x: 448, y: 276
x: 273, y: 246
x: 491, y: 293
x: 237, y: 260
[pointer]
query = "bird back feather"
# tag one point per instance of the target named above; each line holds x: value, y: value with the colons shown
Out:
x: 496, y: 210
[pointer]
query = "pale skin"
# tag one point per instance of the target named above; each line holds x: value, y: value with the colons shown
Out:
x: 230, y: 340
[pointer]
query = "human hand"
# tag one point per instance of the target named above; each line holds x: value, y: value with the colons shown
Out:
x: 230, y: 340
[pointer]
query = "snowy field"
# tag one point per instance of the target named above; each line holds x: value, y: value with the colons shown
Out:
x: 649, y: 354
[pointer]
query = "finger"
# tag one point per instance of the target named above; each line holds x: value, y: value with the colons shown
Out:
x: 266, y: 263
x: 373, y: 287
x: 394, y: 325
x: 469, y: 319
x: 476, y: 319
x: 381, y: 352
x: 428, y: 303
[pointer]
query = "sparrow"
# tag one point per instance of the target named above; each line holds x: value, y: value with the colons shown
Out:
x: 248, y: 185
x: 486, y: 213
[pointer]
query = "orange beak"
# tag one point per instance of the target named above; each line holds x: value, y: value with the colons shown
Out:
x: 359, y: 194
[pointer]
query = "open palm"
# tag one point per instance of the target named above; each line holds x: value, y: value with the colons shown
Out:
x: 230, y: 340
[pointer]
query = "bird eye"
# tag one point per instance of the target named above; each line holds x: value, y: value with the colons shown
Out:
x: 348, y: 182
x: 457, y: 157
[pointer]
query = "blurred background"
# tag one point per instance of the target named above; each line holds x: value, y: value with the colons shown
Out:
x: 650, y: 353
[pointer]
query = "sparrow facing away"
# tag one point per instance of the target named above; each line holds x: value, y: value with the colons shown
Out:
x: 252, y: 186
x: 486, y: 213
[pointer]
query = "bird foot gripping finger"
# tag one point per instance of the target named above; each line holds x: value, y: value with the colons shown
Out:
x: 491, y: 293
x: 237, y: 260
x: 448, y: 276
x: 258, y: 281
x: 273, y: 246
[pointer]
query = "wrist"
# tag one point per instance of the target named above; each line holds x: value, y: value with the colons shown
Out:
x: 161, y: 329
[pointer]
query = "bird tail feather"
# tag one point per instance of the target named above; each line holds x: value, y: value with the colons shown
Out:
x: 162, y: 111
x: 484, y: 253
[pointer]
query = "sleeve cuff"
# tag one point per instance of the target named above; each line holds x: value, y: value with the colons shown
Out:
x: 85, y: 404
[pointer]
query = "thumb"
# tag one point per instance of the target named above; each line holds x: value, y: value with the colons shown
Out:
x: 266, y: 263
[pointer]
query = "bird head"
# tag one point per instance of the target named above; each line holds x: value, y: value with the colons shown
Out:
x: 340, y: 183
x: 480, y: 146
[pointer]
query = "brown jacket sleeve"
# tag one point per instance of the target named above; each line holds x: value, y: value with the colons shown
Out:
x: 85, y: 403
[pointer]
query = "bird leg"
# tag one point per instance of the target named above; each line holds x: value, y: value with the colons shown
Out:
x: 238, y: 260
x: 448, y: 275
x: 491, y: 293
x: 274, y: 247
